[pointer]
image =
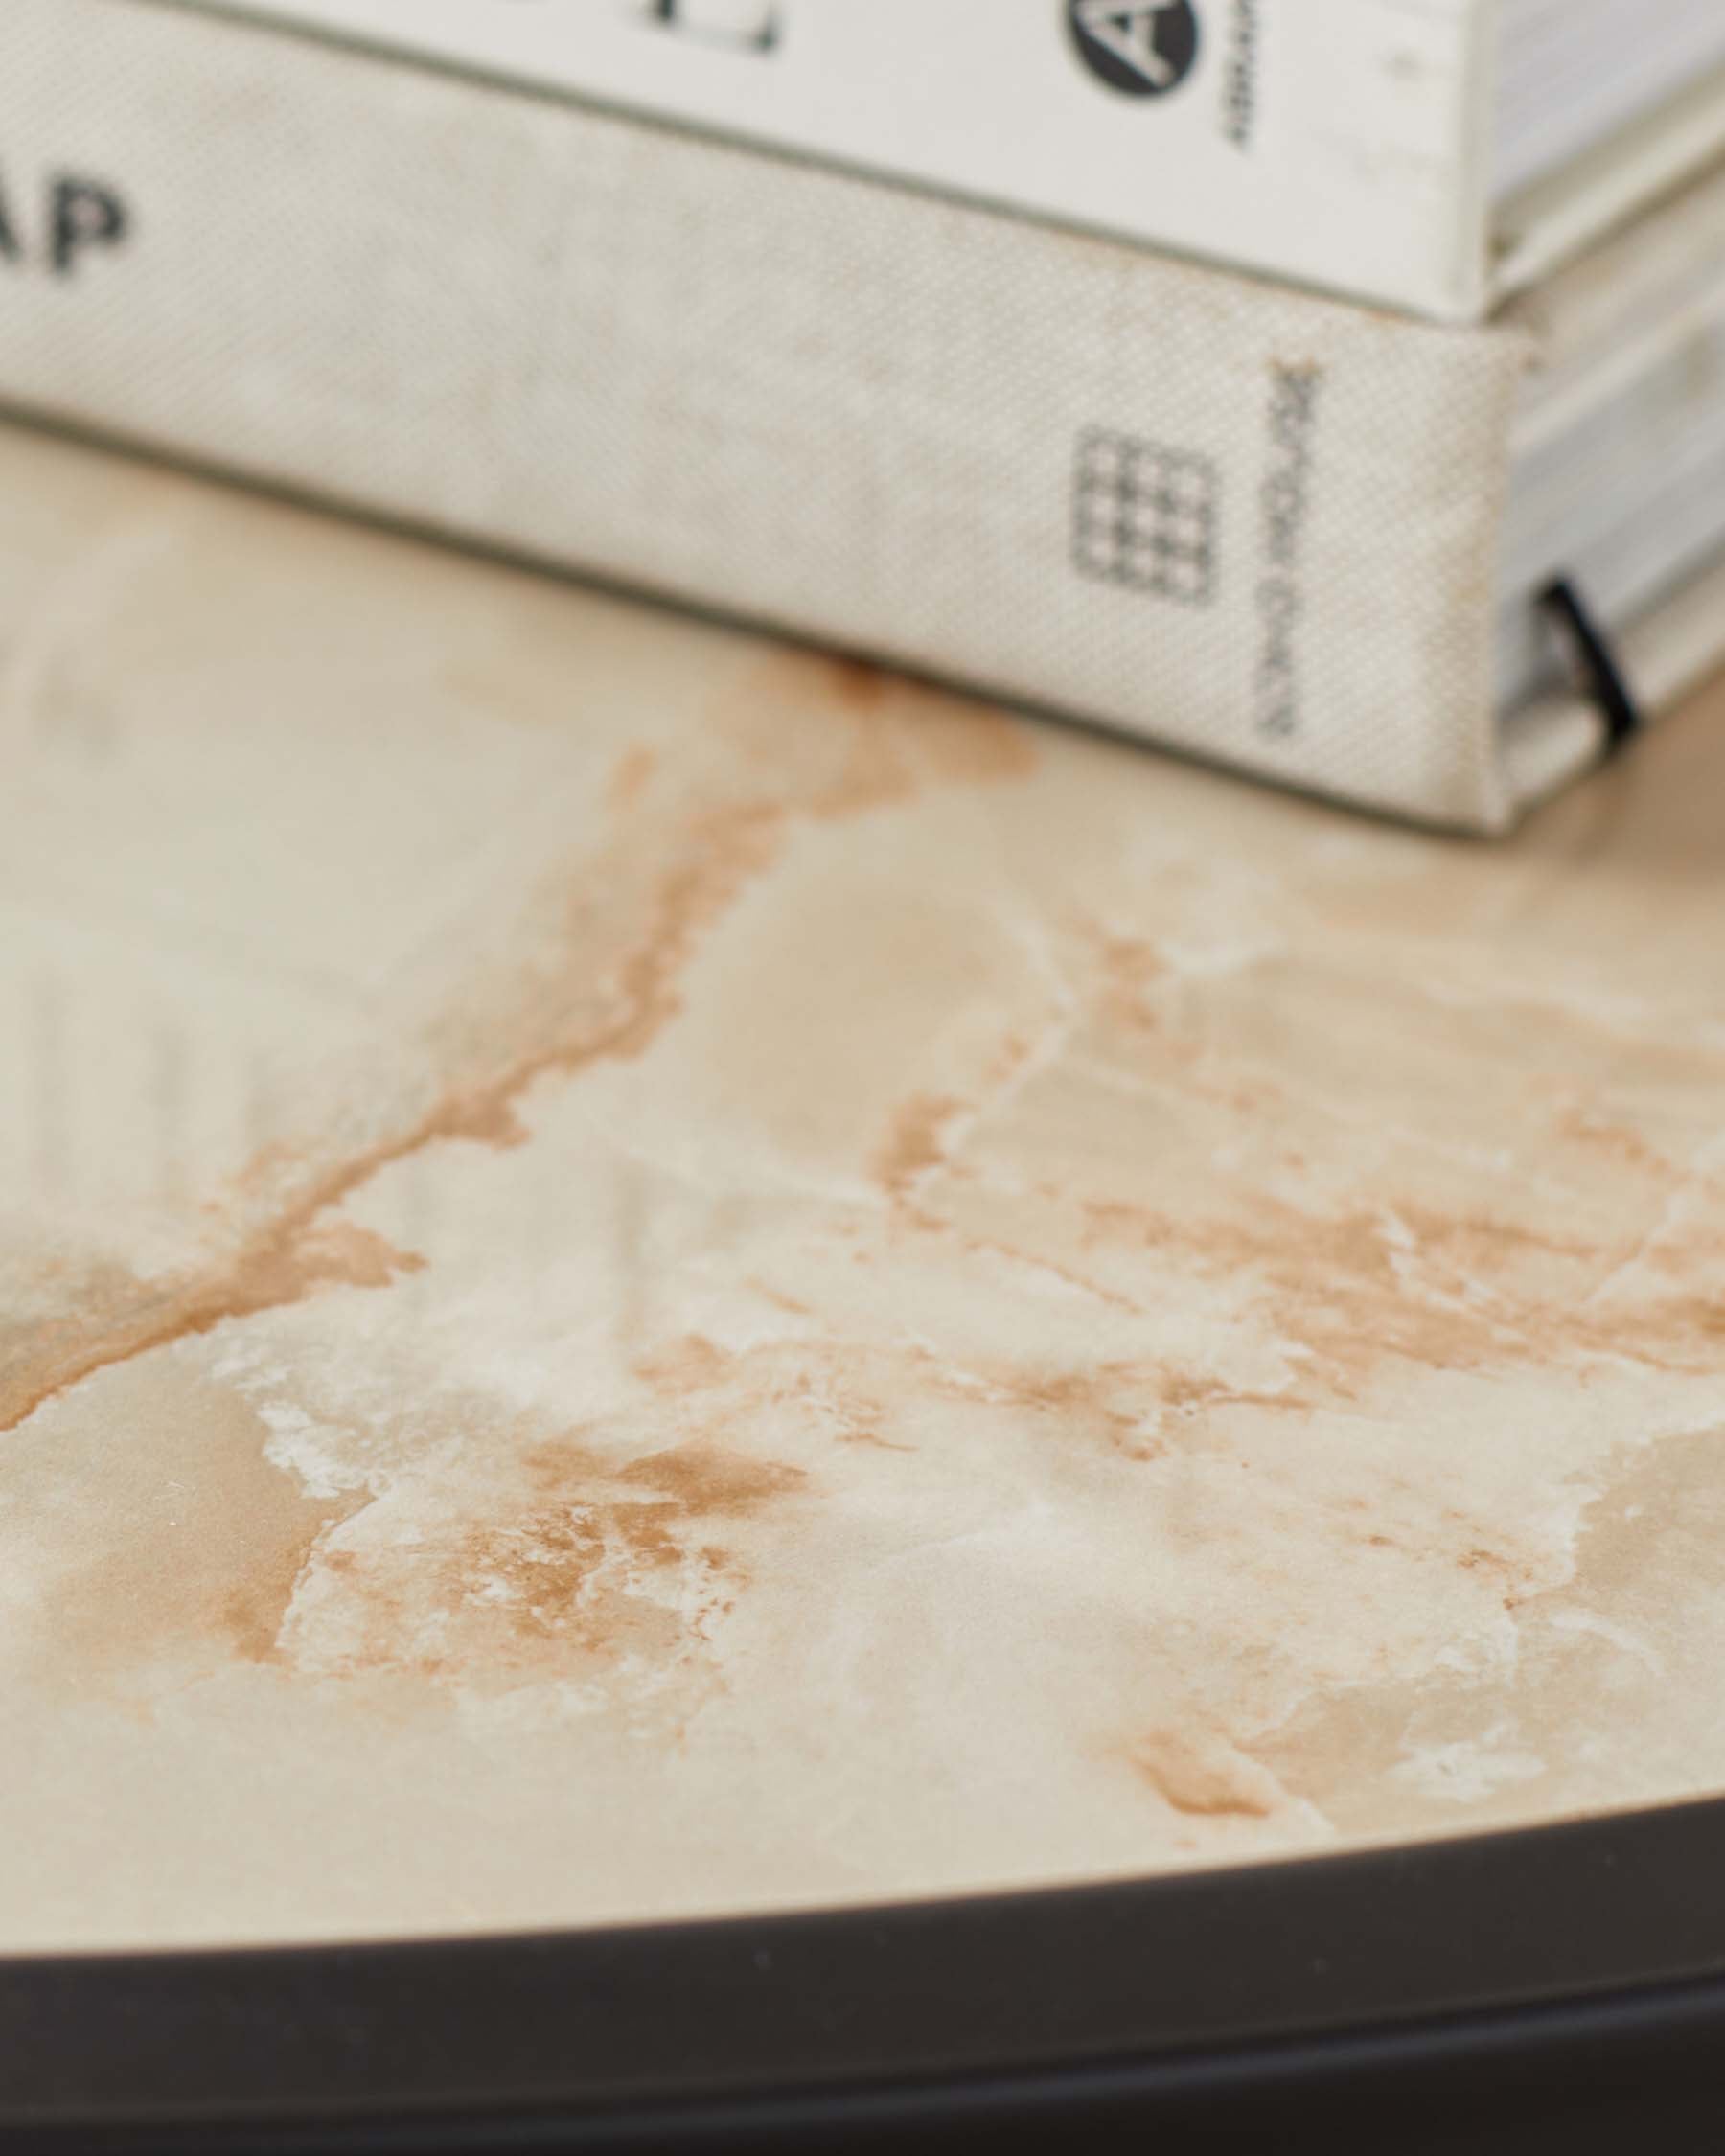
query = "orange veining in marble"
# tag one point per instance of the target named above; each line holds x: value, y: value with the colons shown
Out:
x: 641, y: 1274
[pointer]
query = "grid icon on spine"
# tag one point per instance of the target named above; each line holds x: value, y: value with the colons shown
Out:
x: 1144, y: 516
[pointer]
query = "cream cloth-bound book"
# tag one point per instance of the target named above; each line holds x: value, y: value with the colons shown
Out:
x: 1248, y: 522
x: 1435, y: 158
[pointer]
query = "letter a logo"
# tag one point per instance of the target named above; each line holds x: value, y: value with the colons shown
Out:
x: 1146, y: 48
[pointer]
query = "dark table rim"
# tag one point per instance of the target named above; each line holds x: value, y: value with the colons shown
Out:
x: 1525, y: 1983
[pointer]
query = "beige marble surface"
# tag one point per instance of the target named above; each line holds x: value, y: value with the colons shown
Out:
x: 643, y: 1274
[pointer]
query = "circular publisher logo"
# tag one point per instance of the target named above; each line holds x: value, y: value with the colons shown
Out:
x: 1145, y: 48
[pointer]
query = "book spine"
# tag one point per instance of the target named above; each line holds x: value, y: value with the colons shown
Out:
x: 1245, y: 521
x: 1339, y: 143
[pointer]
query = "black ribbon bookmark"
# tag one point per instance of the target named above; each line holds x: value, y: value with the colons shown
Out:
x: 1563, y: 606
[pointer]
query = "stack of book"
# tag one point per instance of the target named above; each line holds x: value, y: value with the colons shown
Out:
x: 1333, y: 389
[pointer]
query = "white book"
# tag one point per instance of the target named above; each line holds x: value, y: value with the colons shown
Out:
x: 1436, y: 157
x: 1281, y: 532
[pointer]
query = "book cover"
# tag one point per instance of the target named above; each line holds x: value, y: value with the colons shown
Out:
x: 1339, y: 143
x: 1050, y: 467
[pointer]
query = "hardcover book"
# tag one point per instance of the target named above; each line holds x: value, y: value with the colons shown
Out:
x: 1435, y: 158
x: 1294, y: 535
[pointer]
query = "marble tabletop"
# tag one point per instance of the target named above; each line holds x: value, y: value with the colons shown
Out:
x: 646, y: 1274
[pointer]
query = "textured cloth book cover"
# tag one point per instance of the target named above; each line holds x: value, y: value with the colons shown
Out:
x: 1055, y: 467
x: 1227, y: 515
x: 1435, y: 158
x: 1340, y: 141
